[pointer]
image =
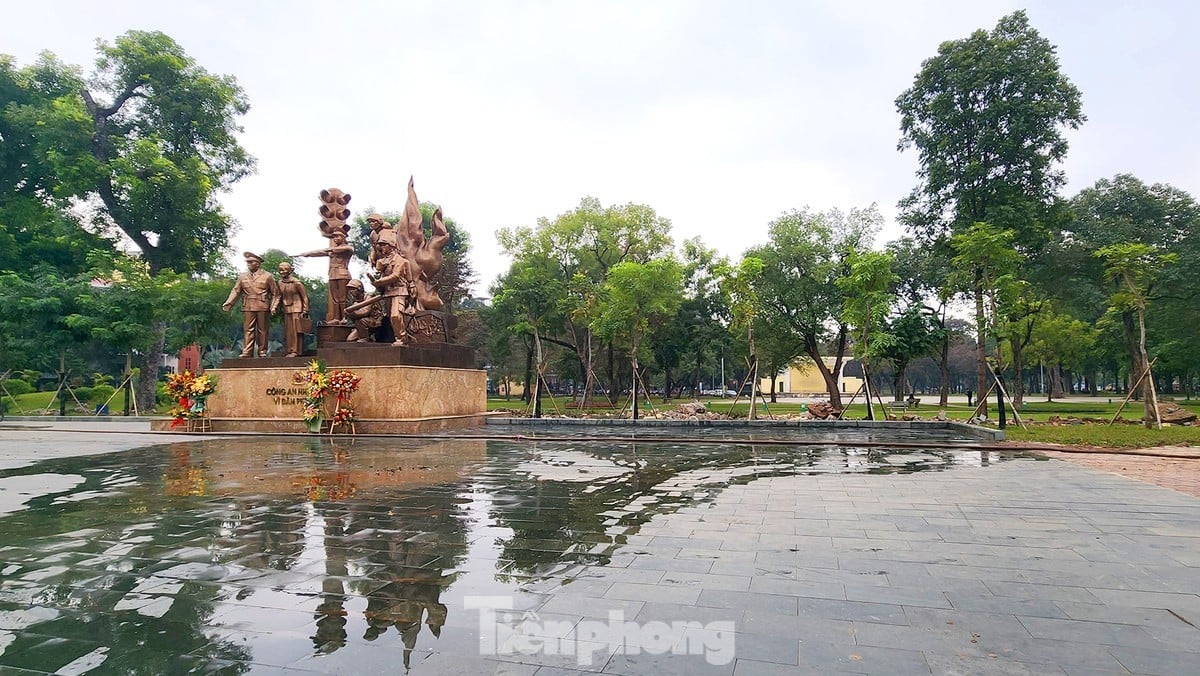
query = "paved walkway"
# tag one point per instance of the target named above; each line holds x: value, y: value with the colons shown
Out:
x: 1178, y: 474
x: 24, y: 441
x: 782, y: 560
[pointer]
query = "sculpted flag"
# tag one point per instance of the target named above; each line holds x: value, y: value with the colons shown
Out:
x: 411, y: 234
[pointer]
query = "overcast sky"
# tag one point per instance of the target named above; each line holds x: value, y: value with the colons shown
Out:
x: 719, y: 115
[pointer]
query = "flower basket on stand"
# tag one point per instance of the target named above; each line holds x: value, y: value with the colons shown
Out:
x: 319, y: 382
x: 191, y: 393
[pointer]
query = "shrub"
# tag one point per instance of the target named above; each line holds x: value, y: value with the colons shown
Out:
x: 101, y: 393
x: 160, y: 394
x: 83, y: 394
x: 18, y: 387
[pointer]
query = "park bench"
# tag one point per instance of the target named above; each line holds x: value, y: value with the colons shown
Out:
x: 912, y: 402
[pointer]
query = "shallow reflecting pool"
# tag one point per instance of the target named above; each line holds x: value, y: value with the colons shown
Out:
x: 281, y: 556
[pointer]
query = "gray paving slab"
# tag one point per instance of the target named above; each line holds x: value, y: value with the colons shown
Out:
x: 1014, y: 568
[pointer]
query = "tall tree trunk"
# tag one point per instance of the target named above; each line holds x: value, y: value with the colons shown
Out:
x: 753, y: 370
x: 1151, y: 417
x: 812, y: 349
x: 1018, y: 393
x: 538, y: 366
x: 147, y: 390
x: 585, y: 365
x: 1137, y: 364
x: 868, y: 392
x: 528, y: 396
x: 633, y: 369
x: 1056, y: 388
x: 944, y: 371
x: 898, y: 380
x: 613, y: 389
x: 981, y: 369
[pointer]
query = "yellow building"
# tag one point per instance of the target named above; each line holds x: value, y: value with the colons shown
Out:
x: 804, y: 378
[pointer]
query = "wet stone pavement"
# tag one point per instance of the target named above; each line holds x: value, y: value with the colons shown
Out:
x: 440, y: 556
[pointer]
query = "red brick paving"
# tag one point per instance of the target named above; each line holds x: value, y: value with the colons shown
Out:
x: 1180, y: 474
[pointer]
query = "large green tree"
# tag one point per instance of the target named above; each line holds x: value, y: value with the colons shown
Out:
x: 1134, y: 268
x: 923, y: 291
x: 125, y: 302
x: 36, y: 226
x: 151, y: 139
x: 987, y: 118
x: 146, y: 143
x: 528, y: 298
x: 34, y: 331
x: 806, y: 254
x: 1060, y: 341
x: 984, y: 262
x: 704, y: 312
x: 1121, y: 211
x: 868, y: 286
x: 740, y: 285
x: 912, y: 333
x: 635, y: 299
x: 583, y: 245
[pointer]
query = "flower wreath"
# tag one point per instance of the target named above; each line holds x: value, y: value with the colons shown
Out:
x: 319, y: 382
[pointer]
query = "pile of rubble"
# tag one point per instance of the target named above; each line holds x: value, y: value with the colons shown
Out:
x: 692, y: 410
x: 1056, y: 420
x: 1172, y: 414
x: 822, y: 410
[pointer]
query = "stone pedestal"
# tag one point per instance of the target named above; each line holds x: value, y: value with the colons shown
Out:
x: 404, y: 390
x: 328, y: 334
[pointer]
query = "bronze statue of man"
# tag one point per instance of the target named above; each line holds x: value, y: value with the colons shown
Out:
x: 396, y: 284
x: 257, y: 289
x: 377, y: 224
x: 293, y: 300
x: 339, y: 253
x: 365, y: 311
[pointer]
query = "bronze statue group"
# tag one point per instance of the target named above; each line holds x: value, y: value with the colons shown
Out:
x: 402, y: 267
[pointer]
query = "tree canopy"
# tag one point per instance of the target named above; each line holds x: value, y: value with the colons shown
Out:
x: 986, y: 116
x: 145, y: 142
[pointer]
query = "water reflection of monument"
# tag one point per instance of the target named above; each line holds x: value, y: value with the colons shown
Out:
x: 385, y: 524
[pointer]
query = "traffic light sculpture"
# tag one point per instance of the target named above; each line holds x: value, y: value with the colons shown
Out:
x: 334, y: 212
x: 333, y: 226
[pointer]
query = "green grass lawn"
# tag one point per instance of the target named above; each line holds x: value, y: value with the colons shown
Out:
x: 35, y: 403
x: 1094, y: 432
x: 1105, y: 436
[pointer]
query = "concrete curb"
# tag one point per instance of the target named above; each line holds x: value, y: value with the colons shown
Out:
x: 818, y: 426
